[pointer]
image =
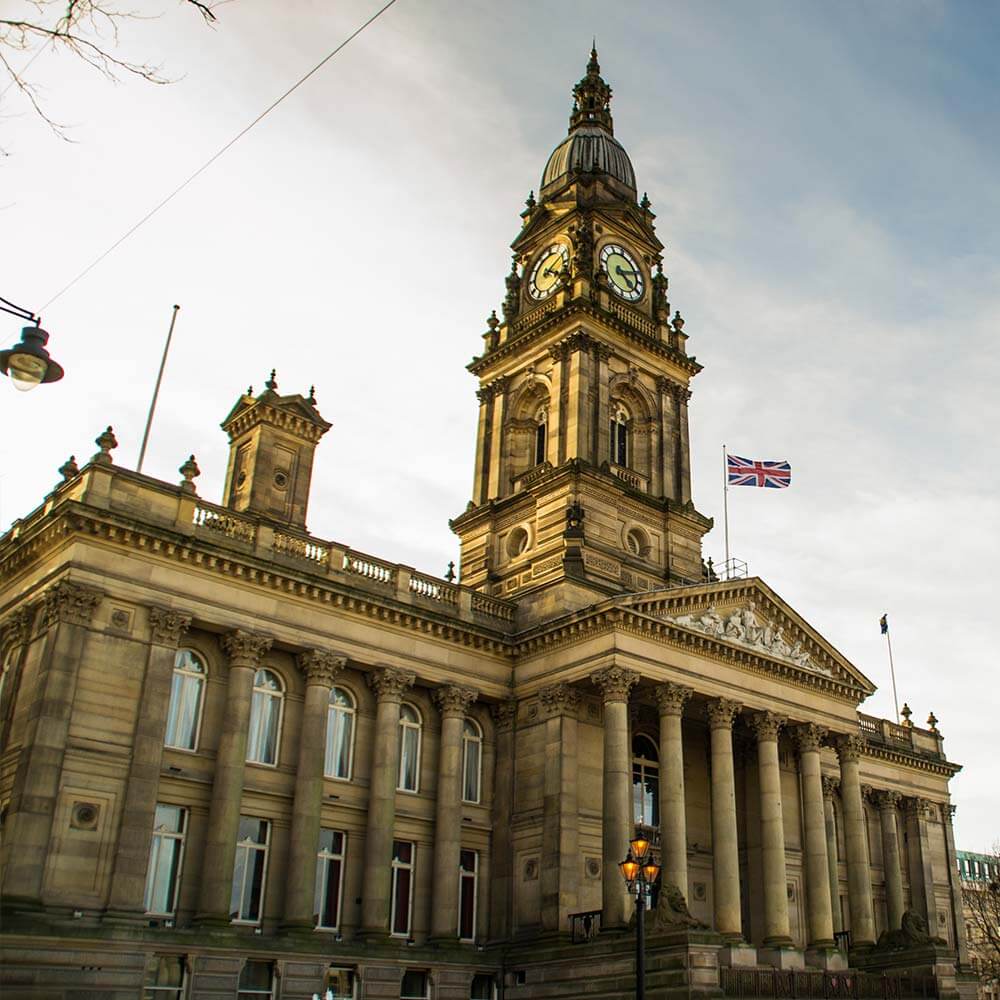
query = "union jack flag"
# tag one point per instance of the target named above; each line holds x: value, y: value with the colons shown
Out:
x: 750, y: 472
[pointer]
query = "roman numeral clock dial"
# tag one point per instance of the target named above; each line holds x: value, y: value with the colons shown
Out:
x: 548, y: 269
x: 623, y: 272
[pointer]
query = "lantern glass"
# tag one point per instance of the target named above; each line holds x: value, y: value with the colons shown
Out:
x: 629, y: 869
x: 640, y: 845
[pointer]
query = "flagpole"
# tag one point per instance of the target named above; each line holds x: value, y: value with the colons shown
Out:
x: 892, y: 668
x: 156, y: 391
x: 725, y: 506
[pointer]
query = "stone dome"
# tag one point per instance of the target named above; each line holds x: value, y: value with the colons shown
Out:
x: 589, y: 149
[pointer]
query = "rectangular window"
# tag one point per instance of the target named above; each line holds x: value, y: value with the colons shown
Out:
x: 340, y: 984
x: 329, y: 878
x: 402, y: 887
x: 166, y: 852
x: 250, y: 870
x: 415, y: 985
x: 165, y: 978
x: 467, y: 877
x: 256, y: 981
x: 483, y: 987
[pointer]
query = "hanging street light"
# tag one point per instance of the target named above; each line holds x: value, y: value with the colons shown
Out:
x: 640, y: 872
x: 28, y: 363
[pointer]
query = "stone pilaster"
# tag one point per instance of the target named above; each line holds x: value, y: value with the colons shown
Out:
x: 955, y: 884
x: 671, y: 699
x: 502, y: 867
x: 830, y: 786
x: 388, y: 684
x: 809, y: 739
x: 453, y: 702
x: 918, y: 815
x: 560, y: 817
x: 320, y: 668
x: 859, y: 878
x: 725, y: 847
x: 615, y: 684
x: 245, y: 650
x: 766, y: 727
x: 888, y: 803
x: 15, y: 631
x: 63, y: 622
x: 128, y: 881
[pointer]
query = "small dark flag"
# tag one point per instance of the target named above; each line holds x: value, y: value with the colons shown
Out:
x: 884, y: 623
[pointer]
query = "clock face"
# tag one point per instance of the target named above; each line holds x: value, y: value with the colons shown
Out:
x: 622, y: 271
x: 550, y: 267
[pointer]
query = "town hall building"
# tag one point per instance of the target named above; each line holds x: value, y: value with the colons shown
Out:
x: 237, y: 760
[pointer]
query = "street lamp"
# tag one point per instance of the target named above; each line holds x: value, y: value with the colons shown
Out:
x: 640, y: 872
x: 28, y: 362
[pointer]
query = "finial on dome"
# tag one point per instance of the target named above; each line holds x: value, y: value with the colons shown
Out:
x: 272, y: 382
x: 592, y: 97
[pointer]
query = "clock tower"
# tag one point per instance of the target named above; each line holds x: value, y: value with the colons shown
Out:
x: 582, y: 485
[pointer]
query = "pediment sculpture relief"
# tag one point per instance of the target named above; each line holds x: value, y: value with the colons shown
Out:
x: 746, y: 627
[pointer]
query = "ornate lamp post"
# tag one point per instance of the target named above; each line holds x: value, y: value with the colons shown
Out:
x: 640, y: 872
x: 28, y: 362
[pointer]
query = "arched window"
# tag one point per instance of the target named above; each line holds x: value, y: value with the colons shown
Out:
x: 541, y: 434
x: 619, y: 435
x: 265, y: 718
x: 635, y: 542
x: 187, y: 694
x: 409, y: 749
x: 339, y: 734
x: 645, y: 781
x: 472, y: 755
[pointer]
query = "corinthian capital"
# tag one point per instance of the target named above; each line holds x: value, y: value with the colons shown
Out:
x: 850, y: 747
x: 453, y: 699
x: 320, y: 666
x: 245, y: 649
x: 559, y: 699
x: 767, y: 725
x: 615, y: 682
x: 831, y: 786
x: 886, y: 799
x: 69, y: 602
x: 15, y: 630
x: 166, y: 626
x: 504, y: 713
x: 809, y: 737
x: 721, y: 713
x: 389, y: 683
x: 671, y: 698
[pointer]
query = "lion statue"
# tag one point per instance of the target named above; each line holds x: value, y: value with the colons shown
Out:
x: 912, y: 933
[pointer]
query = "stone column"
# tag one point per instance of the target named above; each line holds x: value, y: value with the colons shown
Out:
x: 481, y: 473
x: 453, y: 702
x: 615, y: 684
x: 128, y: 879
x: 859, y: 878
x: 388, y: 684
x: 830, y: 786
x: 245, y: 651
x: 918, y: 813
x: 887, y: 802
x: 64, y: 620
x: 496, y: 485
x: 725, y: 847
x: 560, y: 815
x: 502, y: 867
x: 554, y: 446
x: 320, y: 669
x: 671, y: 699
x: 602, y: 405
x: 15, y: 631
x: 684, y: 463
x: 809, y: 738
x: 954, y: 882
x: 578, y: 442
x: 766, y: 726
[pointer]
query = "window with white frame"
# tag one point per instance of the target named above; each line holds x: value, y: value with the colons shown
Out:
x: 339, y: 734
x: 409, y: 748
x: 645, y: 781
x: 165, y: 977
x: 472, y: 755
x: 619, y: 435
x: 166, y: 852
x: 250, y: 870
x: 416, y: 985
x: 265, y: 718
x: 329, y: 878
x: 256, y: 981
x: 468, y: 876
x: 340, y: 984
x: 187, y: 695
x: 402, y: 887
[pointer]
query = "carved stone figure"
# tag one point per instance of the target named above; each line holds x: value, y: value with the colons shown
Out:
x: 672, y: 910
x: 912, y: 933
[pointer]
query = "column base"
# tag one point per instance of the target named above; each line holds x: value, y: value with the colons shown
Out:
x: 738, y: 955
x: 129, y: 918
x: 211, y: 921
x: 297, y: 928
x: 781, y: 956
x: 826, y: 957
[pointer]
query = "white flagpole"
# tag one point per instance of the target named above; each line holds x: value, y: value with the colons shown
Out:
x: 892, y: 668
x: 156, y: 390
x: 725, y: 506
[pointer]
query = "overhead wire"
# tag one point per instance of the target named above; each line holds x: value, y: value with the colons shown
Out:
x: 232, y: 142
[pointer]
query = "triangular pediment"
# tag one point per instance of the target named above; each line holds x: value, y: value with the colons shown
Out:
x: 746, y: 617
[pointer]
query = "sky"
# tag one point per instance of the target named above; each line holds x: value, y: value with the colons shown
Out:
x: 826, y: 179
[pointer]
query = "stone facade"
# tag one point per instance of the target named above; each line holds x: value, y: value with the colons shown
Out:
x: 236, y: 755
